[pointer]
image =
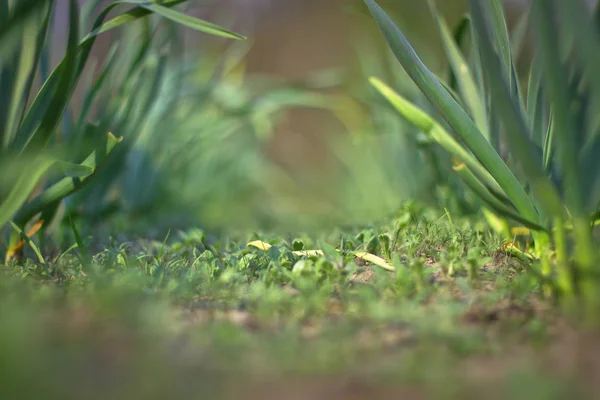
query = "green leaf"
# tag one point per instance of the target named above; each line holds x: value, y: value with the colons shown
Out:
x: 68, y: 185
x: 23, y: 70
x: 189, y: 21
x: 536, y: 104
x: 50, y: 116
x: 489, y: 200
x: 501, y: 39
x: 144, y: 8
x: 30, y: 242
x: 25, y: 184
x: 83, y: 253
x: 460, y: 34
x: 94, y: 89
x: 519, y: 35
x: 466, y: 82
x: 72, y: 170
x: 10, y: 27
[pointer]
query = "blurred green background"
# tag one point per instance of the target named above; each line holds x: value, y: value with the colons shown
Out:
x: 281, y: 131
x: 225, y: 142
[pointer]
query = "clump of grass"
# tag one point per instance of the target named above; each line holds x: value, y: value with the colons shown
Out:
x: 548, y: 183
x: 30, y: 146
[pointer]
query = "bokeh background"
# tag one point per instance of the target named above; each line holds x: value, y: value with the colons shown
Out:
x: 335, y: 152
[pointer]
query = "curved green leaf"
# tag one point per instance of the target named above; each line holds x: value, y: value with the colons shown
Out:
x: 11, y: 22
x: 68, y: 185
x: 466, y: 82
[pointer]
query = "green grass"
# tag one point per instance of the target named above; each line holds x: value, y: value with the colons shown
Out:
x: 196, y: 314
x: 544, y: 180
x: 103, y: 296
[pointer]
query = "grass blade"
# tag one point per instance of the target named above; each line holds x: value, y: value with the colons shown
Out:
x: 94, y: 89
x: 26, y: 238
x: 10, y: 27
x: 488, y: 199
x: 459, y: 36
x: 50, y: 117
x: 536, y: 105
x: 23, y: 76
x: 25, y: 184
x: 517, y: 42
x: 68, y: 185
x: 466, y: 83
x: 501, y: 38
x: 82, y: 250
x: 144, y: 8
x: 189, y: 21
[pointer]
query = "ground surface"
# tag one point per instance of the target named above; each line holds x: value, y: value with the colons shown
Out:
x: 198, y: 316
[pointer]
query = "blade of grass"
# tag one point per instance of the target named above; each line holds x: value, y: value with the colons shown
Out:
x: 189, y: 21
x: 459, y: 36
x: 25, y: 184
x: 14, y: 250
x: 17, y: 76
x: 536, y: 105
x: 68, y: 185
x: 517, y: 42
x: 91, y: 94
x: 30, y: 242
x: 65, y: 86
x: 10, y: 28
x: 144, y: 8
x: 549, y: 147
x: 14, y: 87
x: 501, y: 38
x: 466, y: 83
x: 82, y: 254
x: 488, y: 199
x: 143, y: 50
